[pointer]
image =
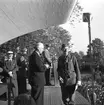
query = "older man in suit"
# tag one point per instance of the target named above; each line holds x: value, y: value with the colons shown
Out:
x: 37, y: 69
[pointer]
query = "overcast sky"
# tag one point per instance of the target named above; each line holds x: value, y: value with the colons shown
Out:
x: 79, y: 34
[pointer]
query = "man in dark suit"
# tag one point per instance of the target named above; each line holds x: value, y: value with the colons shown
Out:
x: 10, y: 67
x: 47, y: 60
x: 68, y: 69
x: 37, y: 69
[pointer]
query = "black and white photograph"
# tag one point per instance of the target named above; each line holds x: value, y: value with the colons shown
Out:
x: 51, y: 52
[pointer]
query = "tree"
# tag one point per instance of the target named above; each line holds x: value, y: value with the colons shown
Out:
x: 54, y: 36
x: 81, y: 54
x: 78, y: 58
x: 76, y: 15
x: 57, y: 36
x: 97, y: 47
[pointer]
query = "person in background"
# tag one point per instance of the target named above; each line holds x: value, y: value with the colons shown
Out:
x: 25, y: 54
x: 3, y: 74
x: 36, y: 77
x: 22, y: 65
x: 10, y: 68
x: 17, y: 57
x: 22, y: 71
x: 47, y: 60
x: 17, y: 53
x: 20, y: 57
x: 24, y: 99
x: 69, y: 75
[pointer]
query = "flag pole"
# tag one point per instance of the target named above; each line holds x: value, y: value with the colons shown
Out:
x: 86, y: 18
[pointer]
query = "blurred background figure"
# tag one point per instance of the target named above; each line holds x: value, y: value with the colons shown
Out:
x: 17, y: 53
x: 25, y: 55
x: 47, y: 60
x: 1, y: 76
x: 22, y: 71
x: 24, y: 99
x: 24, y: 51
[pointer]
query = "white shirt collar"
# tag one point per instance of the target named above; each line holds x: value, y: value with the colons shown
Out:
x: 38, y: 53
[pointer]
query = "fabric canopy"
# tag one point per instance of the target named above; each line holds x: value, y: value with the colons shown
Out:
x: 18, y: 17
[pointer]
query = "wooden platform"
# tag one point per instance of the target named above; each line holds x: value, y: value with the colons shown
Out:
x: 3, y: 88
x: 52, y: 96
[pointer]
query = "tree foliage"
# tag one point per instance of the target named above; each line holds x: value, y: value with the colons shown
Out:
x: 57, y: 36
x: 81, y: 54
x: 97, y: 47
x: 97, y: 54
x: 54, y: 36
x: 76, y: 15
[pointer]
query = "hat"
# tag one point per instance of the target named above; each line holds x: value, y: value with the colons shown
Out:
x: 63, y: 46
x: 47, y: 45
x: 10, y: 52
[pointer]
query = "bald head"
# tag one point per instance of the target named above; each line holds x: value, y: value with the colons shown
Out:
x: 40, y: 47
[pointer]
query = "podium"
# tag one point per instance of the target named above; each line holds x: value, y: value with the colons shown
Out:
x: 3, y: 89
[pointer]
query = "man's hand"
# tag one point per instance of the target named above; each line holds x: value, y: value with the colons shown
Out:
x: 47, y: 66
x: 51, y: 66
x: 22, y: 58
x: 10, y: 74
x: 61, y: 80
x: 79, y: 83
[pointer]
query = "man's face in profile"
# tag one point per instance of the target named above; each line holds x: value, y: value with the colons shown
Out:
x: 66, y: 50
x: 40, y: 47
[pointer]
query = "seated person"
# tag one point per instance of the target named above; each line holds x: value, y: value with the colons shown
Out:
x: 1, y: 70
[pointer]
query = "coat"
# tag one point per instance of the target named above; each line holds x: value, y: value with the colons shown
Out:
x: 11, y: 66
x: 61, y: 67
x: 36, y: 70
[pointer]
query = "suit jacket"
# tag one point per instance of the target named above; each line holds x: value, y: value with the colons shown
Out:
x: 61, y: 67
x: 36, y: 69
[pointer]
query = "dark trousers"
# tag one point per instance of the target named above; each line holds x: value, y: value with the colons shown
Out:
x: 13, y: 86
x: 37, y: 92
x: 47, y: 76
x: 67, y: 92
x: 22, y: 85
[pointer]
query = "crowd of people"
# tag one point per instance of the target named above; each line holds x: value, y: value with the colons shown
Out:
x: 18, y: 67
x: 14, y: 65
